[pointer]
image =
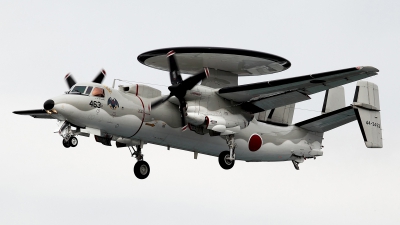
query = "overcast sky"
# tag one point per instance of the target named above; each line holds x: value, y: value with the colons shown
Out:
x: 41, y: 182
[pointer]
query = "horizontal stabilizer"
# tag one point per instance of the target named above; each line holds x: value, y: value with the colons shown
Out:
x: 329, y: 121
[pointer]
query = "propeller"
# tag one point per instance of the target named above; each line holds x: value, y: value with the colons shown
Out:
x: 70, y: 80
x: 98, y: 79
x: 179, y: 87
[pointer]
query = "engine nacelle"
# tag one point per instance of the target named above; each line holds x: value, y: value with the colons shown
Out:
x: 195, y: 118
x: 216, y: 123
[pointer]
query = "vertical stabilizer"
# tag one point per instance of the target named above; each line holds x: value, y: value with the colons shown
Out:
x: 278, y: 116
x: 367, y: 109
x: 334, y: 100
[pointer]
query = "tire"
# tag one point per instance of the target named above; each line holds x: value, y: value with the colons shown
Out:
x: 141, y: 169
x: 224, y: 162
x: 66, y: 143
x: 73, y: 141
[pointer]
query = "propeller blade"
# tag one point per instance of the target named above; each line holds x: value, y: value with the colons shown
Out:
x: 174, y: 73
x: 100, y: 77
x: 70, y: 80
x: 179, y: 87
x: 160, y: 101
x: 190, y: 82
x: 182, y: 110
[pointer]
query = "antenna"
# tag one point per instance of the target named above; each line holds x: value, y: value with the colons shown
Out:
x: 114, y: 82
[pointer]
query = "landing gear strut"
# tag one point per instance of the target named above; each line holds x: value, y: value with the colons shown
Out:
x: 141, y: 168
x: 296, y: 165
x: 69, y: 139
x: 226, y: 159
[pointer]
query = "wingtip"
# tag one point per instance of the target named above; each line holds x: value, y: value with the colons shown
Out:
x: 367, y: 68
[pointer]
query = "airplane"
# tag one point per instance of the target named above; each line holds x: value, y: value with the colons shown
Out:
x: 210, y: 113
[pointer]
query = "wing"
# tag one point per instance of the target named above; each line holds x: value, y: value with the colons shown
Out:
x: 36, y: 113
x: 263, y: 96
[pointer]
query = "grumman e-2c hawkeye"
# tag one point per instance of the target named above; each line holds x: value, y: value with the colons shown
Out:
x: 251, y: 122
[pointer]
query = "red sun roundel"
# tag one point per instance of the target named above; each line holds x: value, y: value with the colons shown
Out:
x: 255, y: 142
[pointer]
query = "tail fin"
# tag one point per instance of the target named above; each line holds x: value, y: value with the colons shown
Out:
x: 367, y: 110
x: 279, y: 116
x: 334, y: 100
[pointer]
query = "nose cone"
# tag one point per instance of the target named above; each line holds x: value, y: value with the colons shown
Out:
x: 49, y: 104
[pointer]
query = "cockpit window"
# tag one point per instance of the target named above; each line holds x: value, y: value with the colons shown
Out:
x: 88, y: 90
x: 78, y: 89
x: 98, y: 92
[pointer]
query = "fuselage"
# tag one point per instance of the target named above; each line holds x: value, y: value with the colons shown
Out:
x: 125, y: 115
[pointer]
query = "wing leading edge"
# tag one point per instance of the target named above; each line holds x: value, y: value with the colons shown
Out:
x: 272, y: 94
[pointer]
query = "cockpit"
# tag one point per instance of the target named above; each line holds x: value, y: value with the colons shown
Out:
x: 87, y: 90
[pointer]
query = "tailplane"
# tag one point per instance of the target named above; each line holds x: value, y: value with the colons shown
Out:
x: 365, y: 109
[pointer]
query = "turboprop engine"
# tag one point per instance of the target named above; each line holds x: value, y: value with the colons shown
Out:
x: 215, y: 125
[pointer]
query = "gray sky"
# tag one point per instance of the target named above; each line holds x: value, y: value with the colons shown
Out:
x: 41, y: 182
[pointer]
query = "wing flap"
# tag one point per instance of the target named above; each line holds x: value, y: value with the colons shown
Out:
x: 308, y: 84
x: 275, y: 101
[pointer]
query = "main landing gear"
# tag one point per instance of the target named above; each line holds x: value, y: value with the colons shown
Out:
x: 296, y: 165
x: 69, y: 139
x: 141, y: 168
x: 226, y: 159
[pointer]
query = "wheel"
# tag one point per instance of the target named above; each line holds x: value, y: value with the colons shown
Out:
x: 66, y: 143
x: 224, y: 160
x: 141, y: 169
x: 73, y: 141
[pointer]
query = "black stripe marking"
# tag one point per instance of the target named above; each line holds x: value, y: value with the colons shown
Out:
x: 360, y: 123
x: 274, y: 123
x: 270, y: 113
x: 356, y: 94
x: 325, y: 100
x: 144, y: 114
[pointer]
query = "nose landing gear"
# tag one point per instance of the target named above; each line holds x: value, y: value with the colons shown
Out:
x: 141, y: 168
x: 69, y: 140
x: 73, y: 141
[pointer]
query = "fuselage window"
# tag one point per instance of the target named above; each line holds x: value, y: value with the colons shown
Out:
x: 79, y: 89
x: 98, y: 92
x: 88, y: 90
